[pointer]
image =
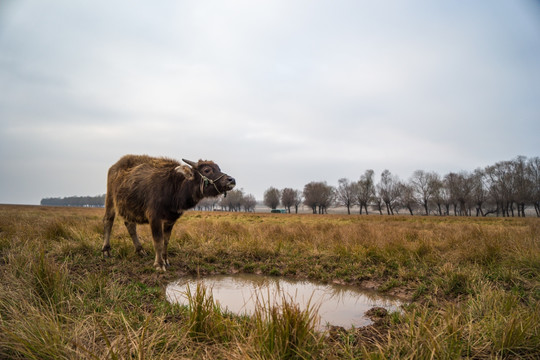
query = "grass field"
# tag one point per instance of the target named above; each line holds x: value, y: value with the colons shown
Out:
x: 473, y: 286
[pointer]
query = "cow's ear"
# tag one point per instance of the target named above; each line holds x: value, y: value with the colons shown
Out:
x: 186, y: 171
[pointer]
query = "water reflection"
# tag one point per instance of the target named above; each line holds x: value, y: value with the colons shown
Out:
x: 339, y: 305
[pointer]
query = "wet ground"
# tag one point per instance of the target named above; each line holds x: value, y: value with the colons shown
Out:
x: 338, y: 305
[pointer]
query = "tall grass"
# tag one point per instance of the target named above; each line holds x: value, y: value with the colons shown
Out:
x: 206, y: 319
x: 286, y: 331
x: 34, y: 298
x: 474, y: 285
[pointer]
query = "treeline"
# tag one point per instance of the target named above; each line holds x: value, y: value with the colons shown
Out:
x: 506, y: 188
x: 83, y: 201
x: 236, y: 200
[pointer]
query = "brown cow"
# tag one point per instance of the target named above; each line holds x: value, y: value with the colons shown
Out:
x: 144, y: 189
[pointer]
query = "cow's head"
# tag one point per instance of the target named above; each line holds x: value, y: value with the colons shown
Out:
x: 213, y: 182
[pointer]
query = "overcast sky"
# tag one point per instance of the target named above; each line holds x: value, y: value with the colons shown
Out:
x: 278, y: 93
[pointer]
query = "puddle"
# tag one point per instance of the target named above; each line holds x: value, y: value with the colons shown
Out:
x: 340, y: 305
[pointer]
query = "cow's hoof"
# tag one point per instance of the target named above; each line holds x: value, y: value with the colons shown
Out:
x: 167, y: 263
x: 160, y: 268
x: 106, y: 251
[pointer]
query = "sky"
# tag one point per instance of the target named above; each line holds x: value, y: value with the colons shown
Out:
x: 278, y: 93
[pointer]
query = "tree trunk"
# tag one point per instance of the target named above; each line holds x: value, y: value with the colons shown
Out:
x: 366, y: 209
x: 479, y: 210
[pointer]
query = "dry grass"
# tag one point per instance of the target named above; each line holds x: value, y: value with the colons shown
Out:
x: 474, y: 286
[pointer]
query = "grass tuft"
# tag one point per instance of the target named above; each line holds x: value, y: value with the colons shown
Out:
x: 286, y: 331
x: 56, y: 230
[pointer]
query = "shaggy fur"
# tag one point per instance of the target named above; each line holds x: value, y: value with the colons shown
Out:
x: 144, y: 189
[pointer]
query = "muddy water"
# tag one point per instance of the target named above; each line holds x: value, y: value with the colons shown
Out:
x: 339, y: 305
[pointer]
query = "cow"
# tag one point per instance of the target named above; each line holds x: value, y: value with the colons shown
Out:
x: 157, y: 191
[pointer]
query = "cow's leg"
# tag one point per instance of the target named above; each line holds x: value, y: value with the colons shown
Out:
x: 132, y: 229
x: 167, y: 229
x: 157, y: 235
x: 108, y: 221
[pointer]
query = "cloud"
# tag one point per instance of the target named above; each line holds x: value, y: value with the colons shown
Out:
x: 289, y: 91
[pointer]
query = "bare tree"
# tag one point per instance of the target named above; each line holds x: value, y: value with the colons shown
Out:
x: 445, y: 198
x: 249, y: 202
x: 523, y: 186
x: 533, y: 168
x: 233, y: 201
x: 388, y: 190
x: 494, y: 190
x: 310, y: 196
x: 480, y: 192
x: 298, y: 199
x: 407, y: 198
x: 451, y: 184
x: 288, y: 197
x: 378, y: 203
x: 460, y: 189
x: 345, y: 194
x: 463, y: 192
x: 439, y: 195
x: 319, y: 194
x: 365, y: 190
x: 328, y: 197
x: 424, y: 185
x: 271, y: 198
x: 501, y: 186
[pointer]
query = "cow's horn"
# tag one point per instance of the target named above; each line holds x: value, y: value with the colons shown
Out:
x: 190, y: 163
